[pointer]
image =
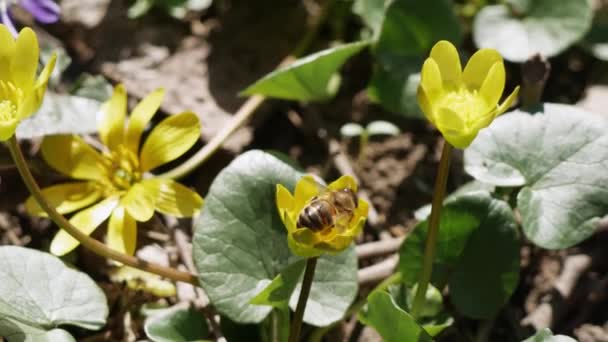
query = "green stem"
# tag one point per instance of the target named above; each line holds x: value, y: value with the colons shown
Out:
x: 433, y: 229
x: 248, y: 108
x: 296, y: 324
x: 87, y: 241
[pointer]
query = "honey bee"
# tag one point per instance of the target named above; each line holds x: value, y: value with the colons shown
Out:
x: 329, y: 209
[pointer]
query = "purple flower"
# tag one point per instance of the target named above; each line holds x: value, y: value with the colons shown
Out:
x: 44, y: 11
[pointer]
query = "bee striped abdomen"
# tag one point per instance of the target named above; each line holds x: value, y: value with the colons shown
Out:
x: 316, y: 216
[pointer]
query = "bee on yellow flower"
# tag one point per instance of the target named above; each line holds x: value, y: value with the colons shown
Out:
x: 113, y: 183
x: 460, y: 103
x: 321, y: 220
x: 21, y: 93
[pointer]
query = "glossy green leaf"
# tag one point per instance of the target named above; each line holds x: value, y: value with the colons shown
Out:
x: 409, y: 30
x: 15, y: 331
x: 278, y: 292
x: 390, y: 321
x: 177, y: 325
x: 61, y: 114
x: 557, y: 157
x: 546, y: 335
x: 240, y: 245
x: 471, y: 187
x: 39, y: 293
x: 311, y: 78
x: 477, y: 254
x: 519, y: 29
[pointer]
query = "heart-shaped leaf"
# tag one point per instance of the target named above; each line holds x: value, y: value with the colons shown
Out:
x: 546, y: 335
x: 520, y: 29
x: 558, y: 157
x: 390, y: 321
x: 38, y: 293
x: 311, y: 78
x: 409, y: 30
x: 240, y: 245
x: 477, y: 253
x: 177, y: 325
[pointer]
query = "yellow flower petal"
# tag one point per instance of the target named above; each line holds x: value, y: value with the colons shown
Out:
x: 306, y: 188
x: 335, y: 245
x: 344, y: 182
x: 25, y: 61
x: 506, y: 104
x: 65, y: 198
x: 425, y: 105
x: 172, y: 198
x: 453, y: 128
x: 122, y: 232
x: 141, y: 115
x: 301, y: 249
x: 478, y: 67
x: 70, y: 155
x: 7, y: 128
x: 139, y: 202
x: 430, y: 80
x: 284, y: 199
x: 34, y: 99
x: 362, y: 209
x: 111, y: 123
x: 86, y: 221
x: 7, y: 42
x: 448, y: 61
x: 493, y: 86
x: 169, y: 140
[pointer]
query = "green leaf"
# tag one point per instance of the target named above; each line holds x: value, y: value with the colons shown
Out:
x: 390, y: 321
x: 409, y: 30
x: 471, y: 187
x: 477, y: 254
x: 557, y: 157
x: 278, y: 292
x: 15, y: 331
x: 61, y: 114
x: 38, y: 293
x: 311, y: 78
x: 94, y: 87
x: 351, y: 130
x: 240, y: 245
x: 382, y: 128
x: 432, y: 317
x: 520, y: 30
x: 177, y: 325
x: 546, y: 335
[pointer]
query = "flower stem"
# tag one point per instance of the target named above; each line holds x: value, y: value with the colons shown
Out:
x: 87, y: 241
x: 248, y: 108
x: 433, y: 229
x: 296, y: 324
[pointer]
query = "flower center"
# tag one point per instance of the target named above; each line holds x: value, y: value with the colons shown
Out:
x: 124, y: 170
x: 8, y: 111
x: 466, y: 103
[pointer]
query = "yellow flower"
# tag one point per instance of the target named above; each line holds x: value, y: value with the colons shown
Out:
x: 112, y: 183
x: 306, y: 242
x: 20, y: 92
x: 460, y: 103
